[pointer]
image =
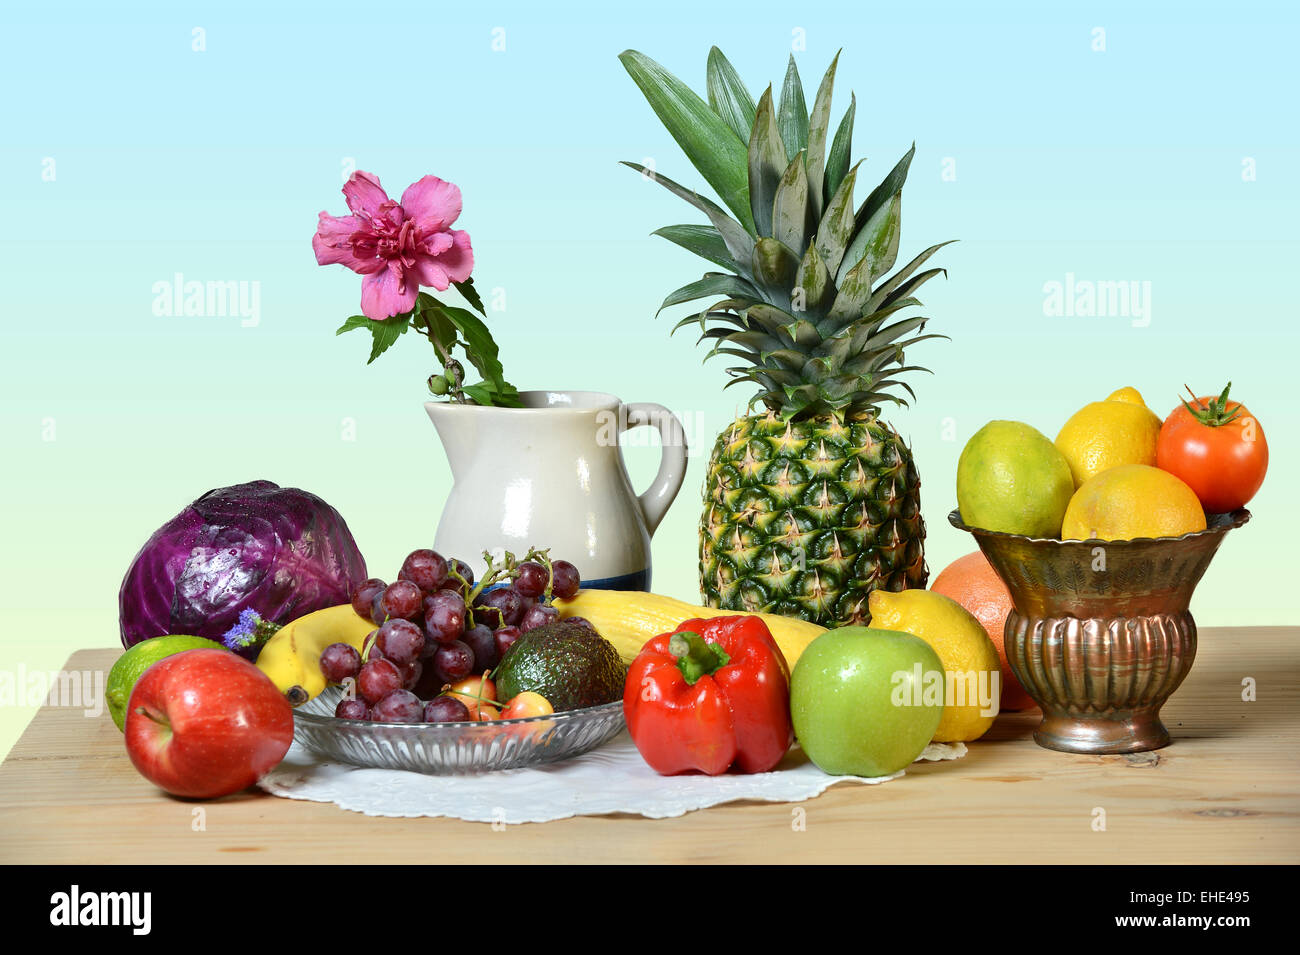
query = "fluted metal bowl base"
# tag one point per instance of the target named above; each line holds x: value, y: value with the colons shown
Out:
x: 1100, y: 736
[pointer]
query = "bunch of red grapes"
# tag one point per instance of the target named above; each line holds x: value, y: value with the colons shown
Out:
x: 435, y: 627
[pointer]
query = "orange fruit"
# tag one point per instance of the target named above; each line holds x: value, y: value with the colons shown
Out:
x: 972, y: 582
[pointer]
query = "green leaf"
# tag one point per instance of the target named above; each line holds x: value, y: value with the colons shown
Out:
x: 835, y: 350
x: 479, y: 345
x: 429, y: 314
x: 755, y: 340
x: 854, y: 291
x: 470, y: 293
x: 876, y: 241
x: 832, y: 328
x: 784, y: 358
x: 802, y: 335
x: 814, y: 282
x: 712, y: 284
x: 767, y: 161
x: 889, y: 186
x: 887, y: 288
x: 884, y: 254
x: 709, y: 143
x: 791, y: 215
x: 818, y: 123
x: 775, y: 265
x: 697, y: 319
x: 740, y: 376
x: 485, y: 393
x: 792, y: 117
x: 386, y: 332
x: 775, y: 378
x: 748, y: 356
x: 772, y: 320
x: 799, y: 399
x: 907, y: 288
x: 739, y: 243
x: 701, y: 319
x: 836, y: 228
x: 705, y: 241
x: 449, y: 325
x: 765, y: 318
x: 837, y: 163
x: 356, y: 321
x: 880, y: 337
x: 728, y: 96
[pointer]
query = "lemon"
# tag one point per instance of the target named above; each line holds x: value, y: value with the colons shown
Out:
x: 970, y: 661
x: 1132, y: 500
x: 126, y: 671
x: 1010, y: 478
x: 1106, y: 434
x: 1129, y: 394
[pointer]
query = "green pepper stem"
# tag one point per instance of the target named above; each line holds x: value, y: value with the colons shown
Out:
x: 695, y: 658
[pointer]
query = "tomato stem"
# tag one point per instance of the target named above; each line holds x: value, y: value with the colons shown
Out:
x: 1212, y: 413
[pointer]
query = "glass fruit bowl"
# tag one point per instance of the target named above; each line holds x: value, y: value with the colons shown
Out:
x: 448, y: 748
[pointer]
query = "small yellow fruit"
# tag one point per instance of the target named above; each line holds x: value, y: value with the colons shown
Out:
x: 1132, y: 501
x: 291, y: 658
x: 970, y: 661
x: 630, y: 619
x: 1107, y: 434
x: 1128, y: 394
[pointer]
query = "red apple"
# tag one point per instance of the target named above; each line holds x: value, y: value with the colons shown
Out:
x: 206, y: 723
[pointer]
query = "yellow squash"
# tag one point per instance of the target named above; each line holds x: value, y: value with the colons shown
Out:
x: 291, y: 658
x: 629, y: 619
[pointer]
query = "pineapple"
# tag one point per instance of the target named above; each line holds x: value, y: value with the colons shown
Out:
x: 812, y: 501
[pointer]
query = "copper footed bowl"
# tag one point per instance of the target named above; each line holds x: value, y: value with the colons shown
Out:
x: 1099, y: 633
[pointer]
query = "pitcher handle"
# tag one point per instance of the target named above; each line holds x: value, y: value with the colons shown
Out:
x: 672, y: 462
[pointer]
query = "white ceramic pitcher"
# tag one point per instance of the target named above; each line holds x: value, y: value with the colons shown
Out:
x: 551, y: 474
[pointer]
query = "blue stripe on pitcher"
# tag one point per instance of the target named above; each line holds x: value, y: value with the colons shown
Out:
x: 637, y: 581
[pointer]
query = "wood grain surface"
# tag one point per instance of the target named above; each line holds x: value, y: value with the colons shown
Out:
x: 1226, y: 791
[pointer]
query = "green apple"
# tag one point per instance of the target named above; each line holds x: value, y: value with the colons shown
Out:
x: 861, y: 703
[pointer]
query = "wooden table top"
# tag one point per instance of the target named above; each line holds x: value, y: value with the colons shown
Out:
x: 1226, y: 791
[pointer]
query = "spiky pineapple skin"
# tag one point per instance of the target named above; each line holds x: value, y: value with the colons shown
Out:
x: 807, y: 518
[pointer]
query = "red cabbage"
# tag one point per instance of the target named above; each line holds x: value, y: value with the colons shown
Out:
x: 281, y: 552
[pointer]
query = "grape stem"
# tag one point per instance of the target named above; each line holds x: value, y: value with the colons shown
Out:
x: 369, y: 643
x: 507, y: 570
x: 448, y: 691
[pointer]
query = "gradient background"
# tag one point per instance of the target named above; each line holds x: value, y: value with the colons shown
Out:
x: 1122, y: 164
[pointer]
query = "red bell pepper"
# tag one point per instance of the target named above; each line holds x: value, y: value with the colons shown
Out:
x: 712, y: 695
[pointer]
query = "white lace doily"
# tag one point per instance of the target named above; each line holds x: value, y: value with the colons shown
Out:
x: 611, y: 779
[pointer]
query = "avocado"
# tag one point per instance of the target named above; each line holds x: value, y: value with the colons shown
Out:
x: 567, y: 662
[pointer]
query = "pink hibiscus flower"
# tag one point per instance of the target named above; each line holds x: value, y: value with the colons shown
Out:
x: 398, y: 247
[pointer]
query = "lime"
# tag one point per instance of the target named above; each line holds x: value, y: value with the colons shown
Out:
x: 1010, y: 478
x: 129, y: 666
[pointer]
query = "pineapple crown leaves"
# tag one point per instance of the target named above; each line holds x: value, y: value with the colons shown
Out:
x: 807, y: 298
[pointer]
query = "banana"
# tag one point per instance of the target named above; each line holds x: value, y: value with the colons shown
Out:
x: 628, y: 619
x: 291, y: 658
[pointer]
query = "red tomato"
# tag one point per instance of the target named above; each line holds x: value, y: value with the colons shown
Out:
x: 1217, y: 448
